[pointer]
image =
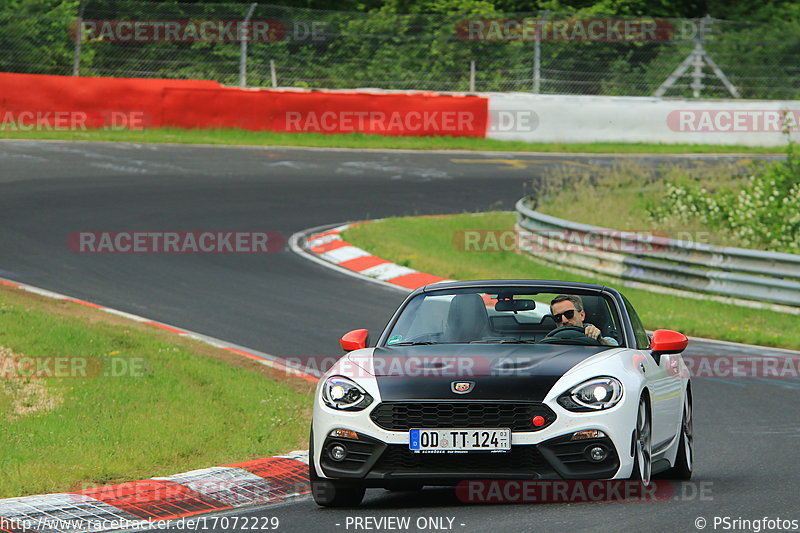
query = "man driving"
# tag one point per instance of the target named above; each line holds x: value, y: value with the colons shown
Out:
x: 567, y: 310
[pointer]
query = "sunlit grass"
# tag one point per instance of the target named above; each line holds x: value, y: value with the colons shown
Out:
x: 363, y: 141
x: 172, y: 409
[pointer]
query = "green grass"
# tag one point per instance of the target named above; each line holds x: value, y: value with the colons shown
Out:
x: 363, y: 141
x: 187, y: 408
x: 427, y: 244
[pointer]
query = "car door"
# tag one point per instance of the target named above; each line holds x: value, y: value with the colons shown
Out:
x: 665, y: 389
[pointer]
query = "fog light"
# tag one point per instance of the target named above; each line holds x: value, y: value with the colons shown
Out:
x: 538, y: 421
x: 597, y: 454
x: 337, y: 452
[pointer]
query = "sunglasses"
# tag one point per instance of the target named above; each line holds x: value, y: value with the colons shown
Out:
x: 569, y: 314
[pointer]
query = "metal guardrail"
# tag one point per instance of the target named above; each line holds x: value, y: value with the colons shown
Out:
x: 732, y: 272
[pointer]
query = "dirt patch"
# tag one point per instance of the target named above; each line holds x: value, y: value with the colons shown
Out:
x: 27, y: 396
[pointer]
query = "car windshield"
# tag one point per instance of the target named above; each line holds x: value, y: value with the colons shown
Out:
x: 498, y: 315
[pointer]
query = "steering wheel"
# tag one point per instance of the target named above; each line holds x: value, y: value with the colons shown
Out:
x: 583, y: 340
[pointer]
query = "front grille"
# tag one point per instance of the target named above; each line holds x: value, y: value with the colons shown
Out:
x: 402, y: 416
x: 521, y: 460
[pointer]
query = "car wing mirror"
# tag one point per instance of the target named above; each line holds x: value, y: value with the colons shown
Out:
x: 354, y: 340
x: 666, y: 341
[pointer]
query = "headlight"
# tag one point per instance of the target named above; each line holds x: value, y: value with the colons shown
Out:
x: 592, y: 395
x: 342, y: 393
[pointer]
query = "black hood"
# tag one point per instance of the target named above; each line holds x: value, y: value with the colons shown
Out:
x: 516, y: 372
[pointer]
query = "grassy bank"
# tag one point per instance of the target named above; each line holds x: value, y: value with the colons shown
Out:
x: 129, y: 401
x: 427, y: 244
x: 642, y: 201
x: 362, y: 141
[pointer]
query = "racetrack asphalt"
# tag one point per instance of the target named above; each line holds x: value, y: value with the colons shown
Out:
x: 746, y: 430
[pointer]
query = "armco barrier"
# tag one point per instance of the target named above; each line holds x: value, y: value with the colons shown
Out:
x: 157, y: 103
x: 733, y: 272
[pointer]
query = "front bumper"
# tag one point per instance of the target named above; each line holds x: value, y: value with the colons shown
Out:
x: 378, y: 463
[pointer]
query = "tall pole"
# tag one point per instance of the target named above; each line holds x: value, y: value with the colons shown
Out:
x: 76, y: 59
x: 537, y: 54
x: 244, y: 35
x: 699, y: 53
x: 472, y: 76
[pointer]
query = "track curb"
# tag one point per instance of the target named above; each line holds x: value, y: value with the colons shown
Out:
x: 324, y: 245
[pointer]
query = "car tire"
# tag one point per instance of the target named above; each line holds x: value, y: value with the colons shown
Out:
x: 642, y: 445
x: 684, y: 461
x: 331, y: 492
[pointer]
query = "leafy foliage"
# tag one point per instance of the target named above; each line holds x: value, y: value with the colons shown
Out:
x: 763, y: 213
x: 416, y: 44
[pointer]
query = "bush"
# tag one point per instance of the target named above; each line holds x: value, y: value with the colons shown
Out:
x: 763, y: 213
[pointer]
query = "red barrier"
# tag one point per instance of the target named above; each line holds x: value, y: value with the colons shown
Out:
x: 31, y: 101
x: 97, y: 98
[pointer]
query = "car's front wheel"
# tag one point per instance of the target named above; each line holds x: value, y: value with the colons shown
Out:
x: 332, y: 492
x: 642, y: 445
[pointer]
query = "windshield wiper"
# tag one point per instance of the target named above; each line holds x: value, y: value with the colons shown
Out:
x: 412, y: 343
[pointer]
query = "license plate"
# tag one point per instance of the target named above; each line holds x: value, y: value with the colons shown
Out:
x: 472, y: 439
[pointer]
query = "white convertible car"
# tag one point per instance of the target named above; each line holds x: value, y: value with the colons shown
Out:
x: 511, y: 379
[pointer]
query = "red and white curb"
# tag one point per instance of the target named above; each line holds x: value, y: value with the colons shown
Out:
x: 328, y: 248
x: 140, y: 504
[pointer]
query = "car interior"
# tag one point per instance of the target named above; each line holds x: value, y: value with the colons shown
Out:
x: 493, y: 317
